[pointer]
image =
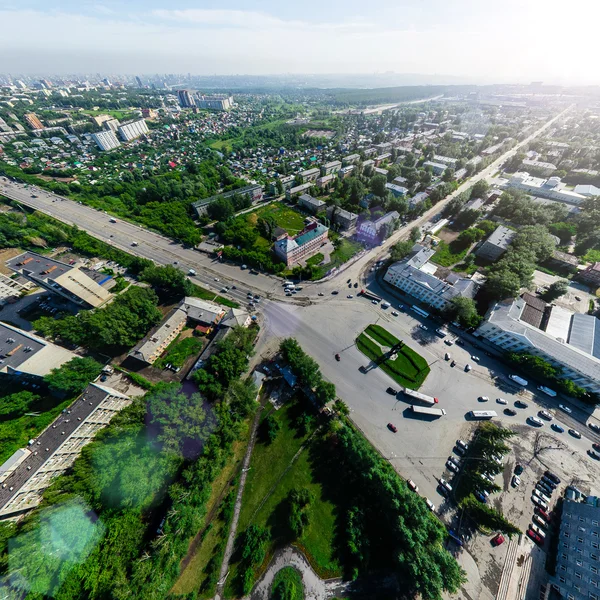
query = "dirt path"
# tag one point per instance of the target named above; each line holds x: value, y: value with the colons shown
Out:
x: 238, y: 506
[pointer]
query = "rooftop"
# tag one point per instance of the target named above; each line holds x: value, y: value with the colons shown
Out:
x: 21, y: 351
x: 202, y: 310
x: 501, y: 237
x: 50, y: 440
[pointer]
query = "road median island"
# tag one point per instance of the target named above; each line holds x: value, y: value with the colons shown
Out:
x: 409, y: 368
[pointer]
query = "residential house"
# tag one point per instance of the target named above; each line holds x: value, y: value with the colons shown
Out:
x: 375, y: 232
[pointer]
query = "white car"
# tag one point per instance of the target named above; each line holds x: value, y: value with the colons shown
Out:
x: 475, y: 358
x: 483, y: 398
x: 535, y: 421
x: 501, y: 401
x: 445, y: 485
x: 394, y: 313
x: 430, y: 504
x: 451, y: 466
x: 412, y: 485
x: 191, y: 272
x: 545, y: 415
x: 539, y: 502
x: 516, y: 481
x: 373, y: 301
x: 349, y: 296
x: 541, y: 496
x: 565, y: 409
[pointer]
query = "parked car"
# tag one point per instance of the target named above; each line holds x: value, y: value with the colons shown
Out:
x: 392, y: 391
x: 575, y: 433
x: 554, y: 478
x: 519, y: 468
x: 542, y: 513
x: 541, y: 495
x: 394, y: 313
x: 453, y: 363
x: 447, y: 356
x: 516, y: 481
x: 412, y: 485
x: 460, y: 451
x: 451, y: 466
x: 596, y: 447
x: 549, y: 482
x: 445, y: 485
x: 448, y: 342
x: 545, y: 415
x: 459, y: 342
x: 556, y: 427
x: 392, y: 427
x: 462, y: 444
x: 468, y: 368
x: 535, y: 421
x: 481, y: 497
x: 511, y: 412
x: 475, y: 358
x: 593, y: 454
x: 594, y: 427
x: 539, y: 502
x: 483, y: 399
x: 535, y: 537
x: 565, y: 409
x: 544, y: 488
x: 430, y: 504
x: 338, y: 357
x: 501, y: 401
x: 497, y: 540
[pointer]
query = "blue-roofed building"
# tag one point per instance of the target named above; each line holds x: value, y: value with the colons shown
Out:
x: 292, y: 250
x: 397, y: 190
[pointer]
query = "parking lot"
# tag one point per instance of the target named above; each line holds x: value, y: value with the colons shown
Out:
x: 420, y: 448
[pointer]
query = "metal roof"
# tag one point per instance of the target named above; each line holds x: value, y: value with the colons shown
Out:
x: 585, y: 334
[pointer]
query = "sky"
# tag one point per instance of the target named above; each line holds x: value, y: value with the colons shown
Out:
x: 505, y: 41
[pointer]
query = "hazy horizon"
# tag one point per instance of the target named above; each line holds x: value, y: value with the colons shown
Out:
x: 465, y: 41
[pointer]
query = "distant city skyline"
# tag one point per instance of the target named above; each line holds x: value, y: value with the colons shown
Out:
x: 466, y: 40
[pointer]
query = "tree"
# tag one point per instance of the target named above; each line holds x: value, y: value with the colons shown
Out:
x: 167, y: 280
x: 535, y: 239
x: 299, y: 502
x: 325, y: 392
x: 487, y: 226
x: 556, y: 290
x: 400, y: 250
x: 469, y: 237
x: 534, y: 365
x: 415, y: 234
x: 72, y: 378
x: 463, y: 310
x: 220, y: 209
x: 479, y: 189
x: 178, y: 420
x: 17, y: 404
x: 466, y: 218
x: 271, y: 427
x: 378, y: 186
x: 279, y: 187
x: 503, y: 283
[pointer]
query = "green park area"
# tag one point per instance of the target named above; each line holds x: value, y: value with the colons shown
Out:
x: 179, y: 350
x: 409, y: 368
x: 248, y: 135
x: 282, y: 465
x: 121, y: 115
x: 285, y: 217
x: 448, y: 255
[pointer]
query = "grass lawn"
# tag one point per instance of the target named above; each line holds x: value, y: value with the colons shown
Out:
x: 269, y: 485
x: 292, y: 580
x: 316, y: 259
x: 343, y: 253
x: 117, y: 114
x: 227, y: 143
x: 409, y: 369
x: 179, y: 351
x: 287, y: 218
x: 199, y: 292
x: 446, y: 257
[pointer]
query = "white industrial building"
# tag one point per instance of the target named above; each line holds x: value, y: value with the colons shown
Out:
x: 133, y: 129
x: 416, y: 276
x: 567, y: 340
x: 552, y: 188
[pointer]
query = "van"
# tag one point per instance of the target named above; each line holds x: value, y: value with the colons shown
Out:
x: 286, y: 283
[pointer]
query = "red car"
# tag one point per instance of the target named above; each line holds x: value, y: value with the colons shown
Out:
x: 392, y: 427
x: 542, y: 513
x: 535, y: 537
x: 497, y: 540
x: 338, y: 357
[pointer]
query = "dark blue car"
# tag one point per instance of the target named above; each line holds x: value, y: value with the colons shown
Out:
x: 557, y: 427
x: 481, y: 497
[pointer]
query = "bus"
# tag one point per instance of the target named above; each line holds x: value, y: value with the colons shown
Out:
x: 547, y: 391
x: 420, y: 311
x: 483, y: 414
x: 425, y: 410
x: 429, y: 400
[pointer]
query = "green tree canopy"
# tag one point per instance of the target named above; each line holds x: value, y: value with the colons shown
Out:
x: 72, y: 378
